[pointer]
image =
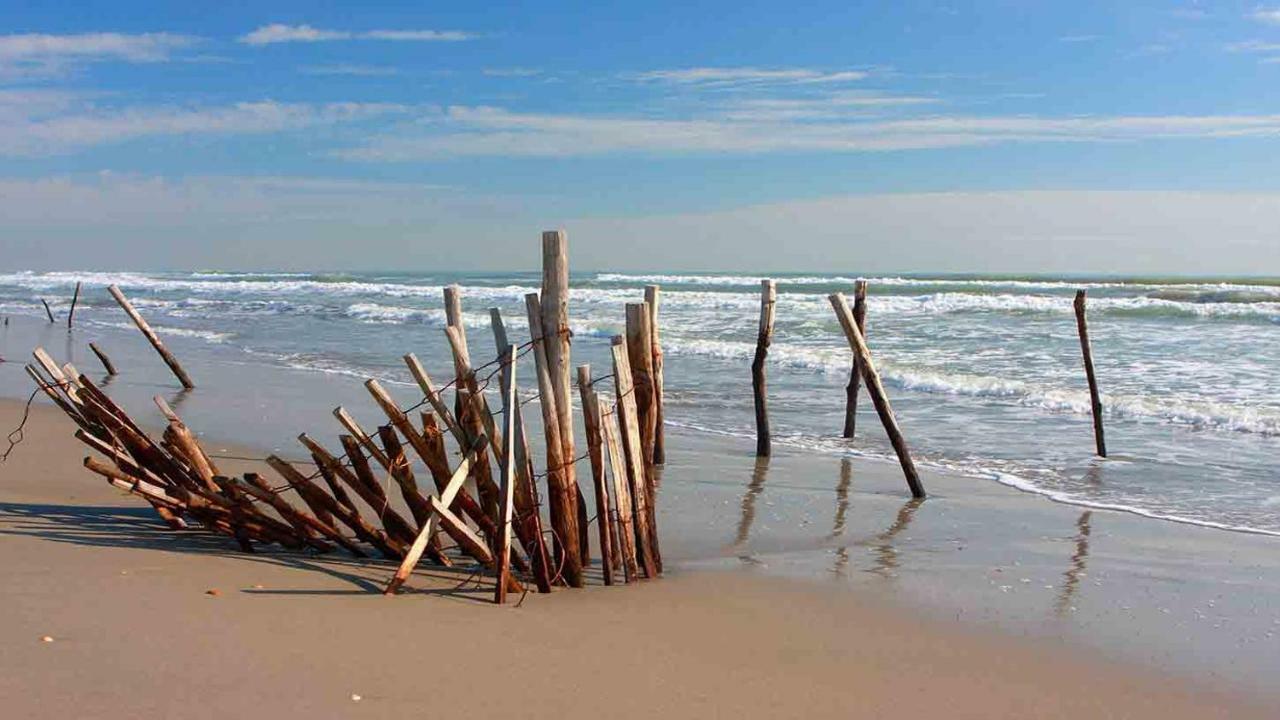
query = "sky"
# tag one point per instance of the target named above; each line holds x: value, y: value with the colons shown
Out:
x: 1014, y: 136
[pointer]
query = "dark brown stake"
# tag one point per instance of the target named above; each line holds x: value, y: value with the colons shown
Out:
x: 75, y: 298
x: 47, y: 311
x: 1086, y: 348
x: 855, y: 373
x: 768, y: 301
x: 106, y: 361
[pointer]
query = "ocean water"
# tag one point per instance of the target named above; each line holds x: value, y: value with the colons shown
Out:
x: 984, y: 373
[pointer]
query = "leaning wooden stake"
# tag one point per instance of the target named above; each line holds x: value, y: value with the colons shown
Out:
x: 875, y: 388
x: 106, y: 361
x: 651, y: 297
x: 591, y: 420
x: 1087, y: 349
x: 764, y: 336
x: 151, y: 336
x: 47, y: 311
x: 555, y: 336
x: 640, y: 353
x: 563, y: 498
x: 625, y: 531
x: 646, y: 536
x: 855, y: 373
x: 507, y: 490
x: 74, y: 299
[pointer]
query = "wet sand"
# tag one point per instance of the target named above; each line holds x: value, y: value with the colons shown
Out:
x: 135, y: 631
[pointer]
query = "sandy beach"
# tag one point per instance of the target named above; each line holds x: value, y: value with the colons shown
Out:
x: 148, y: 621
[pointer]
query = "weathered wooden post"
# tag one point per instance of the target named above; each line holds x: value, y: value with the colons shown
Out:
x: 510, y: 406
x: 591, y: 421
x: 623, y: 531
x: 1086, y: 348
x: 855, y: 374
x: 876, y: 389
x: 453, y: 319
x: 106, y: 361
x: 47, y: 311
x: 75, y: 298
x: 647, y: 550
x: 563, y: 500
x: 555, y: 336
x: 652, y: 293
x: 768, y: 301
x: 151, y: 336
x: 640, y: 353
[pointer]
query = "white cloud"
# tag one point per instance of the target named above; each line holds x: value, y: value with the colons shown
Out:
x: 1267, y: 15
x: 54, y: 129
x: 1253, y: 46
x: 350, y: 69
x: 726, y: 76
x: 512, y: 72
x: 43, y: 54
x: 487, y: 131
x: 1077, y: 38
x: 280, y: 33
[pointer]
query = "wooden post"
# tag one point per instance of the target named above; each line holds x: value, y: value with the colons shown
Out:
x: 75, y: 298
x: 555, y: 342
x: 625, y: 535
x: 1086, y: 348
x: 563, y: 498
x: 647, y: 551
x: 106, y: 361
x: 855, y: 374
x: 529, y: 521
x: 764, y: 336
x: 47, y: 311
x: 591, y: 420
x: 652, y: 293
x: 875, y: 388
x: 640, y: 354
x: 151, y: 336
x: 510, y: 406
x: 453, y: 319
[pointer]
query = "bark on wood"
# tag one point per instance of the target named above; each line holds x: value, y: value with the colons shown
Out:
x: 317, y: 498
x: 152, y: 338
x: 563, y: 496
x: 652, y: 293
x: 646, y: 551
x: 591, y: 420
x: 855, y: 373
x: 759, y: 386
x: 640, y: 355
x: 1086, y: 348
x: 507, y: 488
x: 353, y: 427
x: 871, y: 377
x: 625, y: 534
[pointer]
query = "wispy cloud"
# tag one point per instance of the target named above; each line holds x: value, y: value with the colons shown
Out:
x: 349, y: 69
x: 62, y: 126
x: 43, y: 54
x: 512, y: 72
x: 1253, y: 46
x: 487, y: 131
x: 725, y: 76
x: 1077, y: 38
x: 280, y: 33
x: 1270, y: 16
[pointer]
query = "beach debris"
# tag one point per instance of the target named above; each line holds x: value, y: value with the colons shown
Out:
x: 764, y: 336
x: 47, y: 311
x: 151, y: 337
x: 875, y: 389
x: 46, y: 638
x: 355, y: 698
x: 1082, y: 326
x: 855, y: 372
x: 74, y: 299
x: 652, y: 296
x: 339, y: 502
x: 102, y: 358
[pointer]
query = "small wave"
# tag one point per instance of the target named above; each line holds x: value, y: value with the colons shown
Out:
x: 161, y: 330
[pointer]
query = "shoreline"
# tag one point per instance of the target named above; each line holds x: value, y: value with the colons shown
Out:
x: 901, y: 576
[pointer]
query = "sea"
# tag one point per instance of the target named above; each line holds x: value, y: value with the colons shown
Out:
x: 984, y: 372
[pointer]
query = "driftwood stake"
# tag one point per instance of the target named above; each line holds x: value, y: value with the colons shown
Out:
x: 876, y: 389
x: 1086, y: 348
x: 646, y: 549
x: 102, y: 357
x: 764, y: 336
x: 75, y: 298
x: 640, y: 354
x: 47, y: 311
x: 151, y: 336
x: 555, y: 335
x: 652, y: 294
x: 591, y: 420
x: 855, y: 373
x: 510, y: 406
x: 621, y: 493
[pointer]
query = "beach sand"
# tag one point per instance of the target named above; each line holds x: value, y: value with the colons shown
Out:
x: 146, y: 621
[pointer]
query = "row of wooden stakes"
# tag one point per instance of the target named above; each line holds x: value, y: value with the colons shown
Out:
x: 346, y: 505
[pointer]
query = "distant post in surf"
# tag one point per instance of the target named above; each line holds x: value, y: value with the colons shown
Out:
x: 855, y: 372
x: 1086, y: 349
x: 768, y: 300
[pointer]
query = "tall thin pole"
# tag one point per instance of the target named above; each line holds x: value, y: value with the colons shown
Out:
x: 1095, y: 400
x: 74, y: 299
x: 768, y: 301
x: 151, y: 336
x: 855, y: 373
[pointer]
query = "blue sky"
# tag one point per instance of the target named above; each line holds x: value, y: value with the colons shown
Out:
x: 253, y: 130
